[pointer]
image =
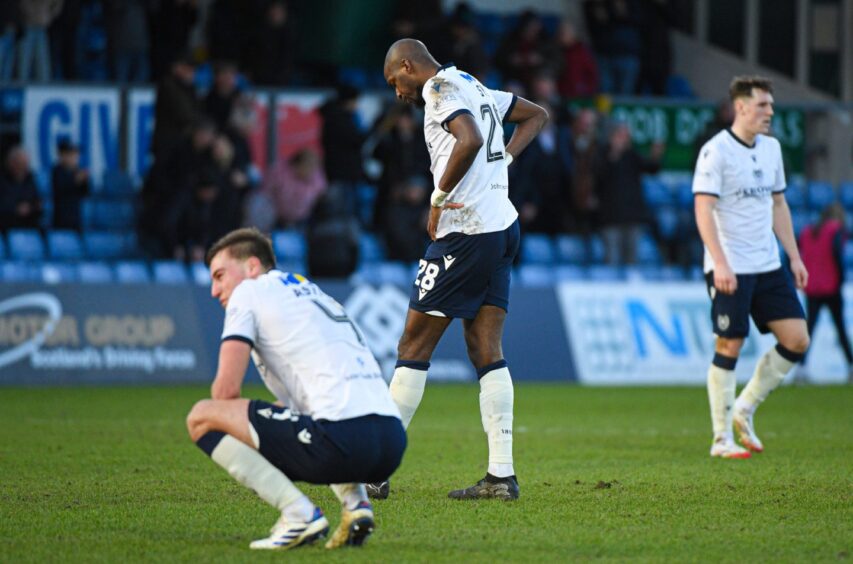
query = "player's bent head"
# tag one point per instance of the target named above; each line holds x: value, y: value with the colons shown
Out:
x: 242, y: 244
x: 743, y: 86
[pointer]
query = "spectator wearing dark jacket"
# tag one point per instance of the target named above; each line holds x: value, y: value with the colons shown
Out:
x: 176, y: 109
x: 342, y: 145
x: 219, y: 102
x: 622, y: 206
x: 70, y: 184
x: 527, y: 51
x: 20, y: 202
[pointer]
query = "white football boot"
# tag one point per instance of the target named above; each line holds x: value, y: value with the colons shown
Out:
x: 746, y: 431
x: 290, y: 534
x: 725, y: 447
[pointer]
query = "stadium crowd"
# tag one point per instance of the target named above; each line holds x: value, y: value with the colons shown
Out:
x: 582, y: 176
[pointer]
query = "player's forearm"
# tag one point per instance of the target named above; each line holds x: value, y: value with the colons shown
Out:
x: 784, y: 229
x: 708, y: 230
x: 525, y: 132
x: 461, y: 158
x: 222, y: 390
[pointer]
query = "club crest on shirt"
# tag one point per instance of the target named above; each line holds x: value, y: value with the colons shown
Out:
x: 758, y: 174
x: 722, y: 322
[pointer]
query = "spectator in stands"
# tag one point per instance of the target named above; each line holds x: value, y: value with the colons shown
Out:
x: 723, y: 118
x: 405, y: 223
x: 424, y: 20
x: 578, y: 76
x: 70, y: 184
x: 656, y: 17
x: 176, y: 108
x: 169, y: 188
x: 541, y: 177
x: 615, y: 32
x: 34, y: 47
x: 238, y: 130
x: 220, y: 101
x: 292, y: 186
x: 466, y: 46
x: 583, y: 210
x: 272, y: 46
x: 20, y: 202
x: 622, y: 205
x: 403, y: 155
x: 229, y: 25
x: 822, y: 247
x: 10, y: 17
x: 64, y: 35
x: 127, y: 34
x: 234, y: 182
x: 342, y: 145
x: 200, y: 223
x: 527, y: 51
x: 171, y: 22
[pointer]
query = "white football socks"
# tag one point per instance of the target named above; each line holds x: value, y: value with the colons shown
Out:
x: 769, y: 373
x: 349, y: 495
x: 250, y: 468
x: 496, y: 399
x: 721, y: 396
x: 407, y: 389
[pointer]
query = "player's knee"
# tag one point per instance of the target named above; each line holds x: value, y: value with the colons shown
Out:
x: 197, y: 420
x: 409, y: 348
x: 729, y: 347
x: 798, y: 344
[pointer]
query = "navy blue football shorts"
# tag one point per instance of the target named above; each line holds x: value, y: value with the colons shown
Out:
x: 362, y: 449
x: 767, y: 296
x: 460, y: 273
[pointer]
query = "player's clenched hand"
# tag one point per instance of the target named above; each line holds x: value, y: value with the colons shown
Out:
x: 435, y: 213
x: 725, y: 280
x: 801, y: 275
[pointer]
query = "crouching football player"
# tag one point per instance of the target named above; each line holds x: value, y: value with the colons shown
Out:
x: 334, y: 423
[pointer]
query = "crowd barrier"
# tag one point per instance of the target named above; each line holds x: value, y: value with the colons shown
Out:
x: 592, y: 333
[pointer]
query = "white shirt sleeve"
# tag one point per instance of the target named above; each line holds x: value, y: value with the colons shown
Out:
x: 444, y: 101
x: 708, y: 177
x: 240, y: 322
x: 505, y: 101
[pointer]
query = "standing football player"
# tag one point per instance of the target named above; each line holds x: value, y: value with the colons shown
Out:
x: 465, y: 272
x: 738, y: 189
x: 334, y: 422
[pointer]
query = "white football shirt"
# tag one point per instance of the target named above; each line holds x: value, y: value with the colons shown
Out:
x: 484, y: 190
x: 311, y: 356
x: 744, y: 179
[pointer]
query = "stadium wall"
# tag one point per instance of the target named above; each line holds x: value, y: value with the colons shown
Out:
x: 591, y: 333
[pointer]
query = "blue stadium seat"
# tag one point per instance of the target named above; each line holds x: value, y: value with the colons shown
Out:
x: 800, y: 218
x: 132, y: 272
x: 170, y: 272
x: 292, y: 266
x: 569, y: 273
x: 683, y: 194
x: 394, y: 272
x: 820, y: 195
x: 642, y: 273
x: 605, y: 273
x: 94, y: 272
x: 58, y: 272
x: 655, y: 192
x: 696, y: 273
x: 109, y: 213
x: 370, y: 249
x: 671, y: 273
x: 2, y: 247
x: 848, y: 254
x: 105, y: 245
x: 537, y: 249
x: 795, y: 195
x: 536, y: 275
x: 64, y: 244
x: 200, y: 273
x: 571, y: 249
x: 18, y: 271
x: 678, y: 86
x: 596, y: 250
x: 289, y: 245
x: 25, y: 244
x: 668, y: 222
x: 845, y: 192
x: 117, y: 182
x: 647, y: 251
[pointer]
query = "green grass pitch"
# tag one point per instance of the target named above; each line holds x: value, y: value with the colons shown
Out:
x: 108, y: 475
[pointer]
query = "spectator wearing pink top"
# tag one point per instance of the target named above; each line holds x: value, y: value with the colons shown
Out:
x: 578, y: 70
x: 821, y: 246
x: 293, y: 186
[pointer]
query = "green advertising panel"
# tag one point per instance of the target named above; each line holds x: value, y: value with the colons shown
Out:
x: 679, y: 127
